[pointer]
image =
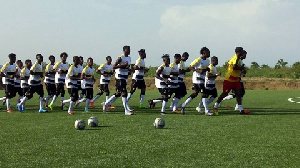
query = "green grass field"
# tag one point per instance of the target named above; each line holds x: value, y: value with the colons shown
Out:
x: 269, y: 137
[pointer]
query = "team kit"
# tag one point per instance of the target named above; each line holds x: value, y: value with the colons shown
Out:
x: 26, y: 80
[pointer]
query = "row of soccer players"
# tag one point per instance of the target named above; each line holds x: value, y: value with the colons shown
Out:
x: 169, y: 80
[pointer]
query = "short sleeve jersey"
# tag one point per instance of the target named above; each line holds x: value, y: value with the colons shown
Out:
x: 231, y: 74
x: 199, y: 63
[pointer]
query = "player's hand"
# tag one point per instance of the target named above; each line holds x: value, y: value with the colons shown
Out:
x: 166, y: 80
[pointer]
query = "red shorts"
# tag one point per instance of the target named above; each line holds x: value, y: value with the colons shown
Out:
x: 228, y: 86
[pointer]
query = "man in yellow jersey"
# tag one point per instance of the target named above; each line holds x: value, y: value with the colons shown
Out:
x: 232, y: 80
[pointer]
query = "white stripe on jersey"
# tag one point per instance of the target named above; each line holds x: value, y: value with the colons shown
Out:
x: 199, y: 63
x: 60, y: 78
x: 210, y: 83
x: 88, y: 83
x: 139, y: 74
x: 25, y: 73
x: 173, y: 78
x: 122, y: 73
x: 72, y: 72
x: 17, y: 80
x: 104, y: 68
x: 164, y: 74
x: 51, y: 78
x: 35, y: 80
x: 10, y: 70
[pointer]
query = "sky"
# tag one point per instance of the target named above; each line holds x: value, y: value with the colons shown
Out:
x: 268, y: 30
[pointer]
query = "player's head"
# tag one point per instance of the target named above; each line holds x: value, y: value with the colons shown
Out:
x: 19, y: 63
x: 126, y: 50
x: 166, y: 59
x: 80, y: 60
x: 205, y: 52
x: 12, y: 57
x: 214, y: 60
x: 52, y: 58
x: 90, y: 62
x: 39, y: 58
x: 244, y: 54
x: 63, y: 56
x: 142, y: 53
x: 177, y: 58
x: 239, y: 51
x: 28, y: 63
x: 185, y: 56
x: 108, y: 60
x: 76, y: 60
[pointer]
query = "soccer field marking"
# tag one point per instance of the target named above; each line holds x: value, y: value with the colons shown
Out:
x: 292, y: 101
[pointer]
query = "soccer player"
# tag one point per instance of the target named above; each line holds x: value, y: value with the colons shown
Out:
x: 138, y: 77
x: 232, y: 80
x: 35, y: 84
x: 17, y: 80
x: 243, y: 73
x: 199, y: 66
x: 121, y: 67
x: 161, y: 82
x: 8, y: 71
x: 50, y: 79
x: 88, y: 80
x: 210, y: 86
x: 173, y: 83
x: 106, y: 70
x: 80, y: 68
x: 24, y: 76
x: 61, y: 69
x: 72, y: 83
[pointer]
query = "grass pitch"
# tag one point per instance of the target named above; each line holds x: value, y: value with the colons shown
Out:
x: 268, y: 137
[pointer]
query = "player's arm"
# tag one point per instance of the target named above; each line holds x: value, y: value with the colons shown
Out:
x: 236, y: 65
x: 119, y: 65
x: 157, y: 75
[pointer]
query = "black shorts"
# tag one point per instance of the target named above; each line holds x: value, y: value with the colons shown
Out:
x: 138, y: 84
x: 89, y: 93
x: 10, y: 91
x: 104, y: 88
x: 51, y: 88
x: 35, y: 89
x: 212, y: 93
x: 182, y: 89
x: 73, y: 92
x: 164, y: 91
x: 174, y: 91
x: 19, y: 90
x: 121, y: 85
x: 199, y: 88
x: 60, y: 89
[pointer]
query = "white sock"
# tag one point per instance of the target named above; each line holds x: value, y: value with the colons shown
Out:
x: 41, y: 103
x: 22, y: 101
x: 110, y: 100
x: 8, y: 104
x: 240, y: 107
x: 80, y: 96
x: 172, y: 102
x: 204, y: 101
x: 163, y: 106
x: 19, y: 99
x: 87, y: 102
x: 62, y: 99
x: 82, y: 100
x: 175, y: 103
x: 200, y: 104
x: 129, y: 96
x: 216, y: 105
x: 53, y: 100
x: 142, y: 99
x: 67, y: 101
x: 2, y: 98
x: 106, y: 98
x: 228, y: 97
x: 47, y: 99
x: 95, y: 98
x: 71, y: 106
x: 124, y: 101
x: 157, y: 101
x: 188, y: 100
x: 210, y: 100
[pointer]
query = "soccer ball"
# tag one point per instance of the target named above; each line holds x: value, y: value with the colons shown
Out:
x: 79, y: 124
x: 159, y: 123
x: 93, y: 122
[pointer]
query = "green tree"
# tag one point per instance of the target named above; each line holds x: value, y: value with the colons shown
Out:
x: 280, y: 64
x: 254, y: 65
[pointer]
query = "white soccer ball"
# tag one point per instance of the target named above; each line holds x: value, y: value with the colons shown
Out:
x: 159, y: 123
x: 79, y: 124
x: 93, y: 122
